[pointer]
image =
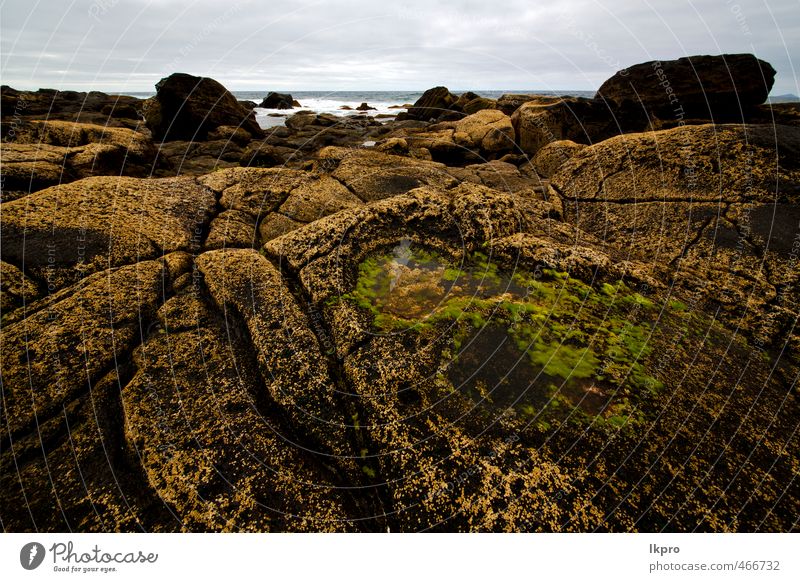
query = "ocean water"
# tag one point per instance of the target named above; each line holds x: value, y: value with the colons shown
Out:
x: 332, y: 101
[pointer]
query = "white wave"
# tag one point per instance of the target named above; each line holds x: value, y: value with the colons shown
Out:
x: 317, y: 105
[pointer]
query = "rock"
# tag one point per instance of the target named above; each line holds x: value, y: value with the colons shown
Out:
x: 255, y: 191
x: 365, y: 107
x: 93, y: 107
x: 275, y: 225
x: 287, y: 351
x: 277, y: 101
x: 433, y: 103
x: 46, y: 153
x: 395, y: 364
x: 705, y: 200
x: 462, y: 100
x: 372, y: 175
x: 346, y: 108
x: 510, y: 102
x: 307, y: 118
x: 580, y: 120
x: 28, y: 168
x: 232, y: 229
x: 231, y: 133
x: 188, y: 108
x: 208, y: 451
x: 73, y: 354
x: 697, y: 86
x: 72, y: 339
x: 73, y: 229
x: 368, y: 341
x: 281, y: 199
x: 469, y: 103
x: 318, y: 198
x: 471, y: 139
x: 550, y: 158
x: 478, y: 104
x: 261, y: 155
x: 504, y: 177
x: 248, y: 104
x: 489, y: 131
x: 15, y: 288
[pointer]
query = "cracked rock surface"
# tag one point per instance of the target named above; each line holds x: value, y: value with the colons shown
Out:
x: 376, y: 341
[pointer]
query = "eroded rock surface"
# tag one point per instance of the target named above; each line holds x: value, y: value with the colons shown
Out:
x: 490, y: 323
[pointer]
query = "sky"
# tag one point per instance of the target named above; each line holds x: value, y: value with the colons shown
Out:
x: 128, y: 45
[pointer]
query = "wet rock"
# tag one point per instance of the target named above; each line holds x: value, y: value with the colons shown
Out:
x: 205, y: 446
x: 277, y: 101
x: 701, y: 199
x: 365, y: 107
x: 188, y: 108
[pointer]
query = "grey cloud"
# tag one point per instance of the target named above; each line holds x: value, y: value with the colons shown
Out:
x: 360, y: 44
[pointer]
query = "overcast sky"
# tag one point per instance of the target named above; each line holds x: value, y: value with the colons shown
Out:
x: 128, y: 45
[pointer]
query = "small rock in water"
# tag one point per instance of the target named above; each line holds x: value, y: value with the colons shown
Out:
x: 278, y: 101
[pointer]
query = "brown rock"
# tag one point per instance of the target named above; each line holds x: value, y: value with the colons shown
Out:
x: 433, y: 103
x: 188, y: 108
x: 550, y: 158
x: 696, y: 86
x: 99, y: 222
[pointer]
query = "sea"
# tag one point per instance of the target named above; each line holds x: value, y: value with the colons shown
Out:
x: 333, y: 101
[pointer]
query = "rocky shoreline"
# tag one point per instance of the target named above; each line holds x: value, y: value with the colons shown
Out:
x: 534, y: 313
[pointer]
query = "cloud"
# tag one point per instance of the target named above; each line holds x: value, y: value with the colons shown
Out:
x: 359, y: 44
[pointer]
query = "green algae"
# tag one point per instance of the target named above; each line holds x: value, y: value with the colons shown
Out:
x: 569, y: 351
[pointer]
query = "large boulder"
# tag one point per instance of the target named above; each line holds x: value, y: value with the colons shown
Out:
x: 275, y: 100
x: 432, y: 105
x: 186, y: 107
x: 539, y: 123
x: 489, y: 131
x: 692, y: 86
x: 714, y: 202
